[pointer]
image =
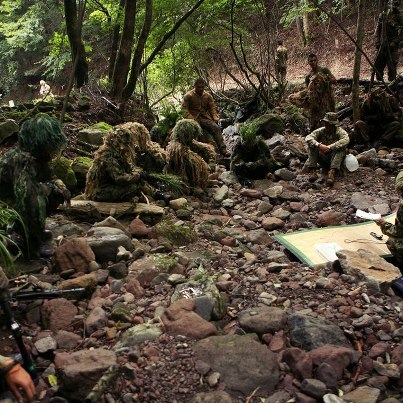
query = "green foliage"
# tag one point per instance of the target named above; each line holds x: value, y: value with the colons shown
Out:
x: 102, y: 126
x: 293, y: 10
x: 59, y: 54
x: 166, y: 263
x: 169, y: 183
x: 178, y: 235
x: 248, y: 132
x: 170, y: 116
x: 8, y: 218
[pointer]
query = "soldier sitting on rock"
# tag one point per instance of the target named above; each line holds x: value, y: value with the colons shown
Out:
x: 395, y: 231
x: 381, y: 120
x: 251, y: 158
x: 122, y: 164
x: 327, y: 146
x: 189, y: 158
x: 27, y: 183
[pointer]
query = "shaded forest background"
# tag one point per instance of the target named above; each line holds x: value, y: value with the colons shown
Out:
x: 165, y: 44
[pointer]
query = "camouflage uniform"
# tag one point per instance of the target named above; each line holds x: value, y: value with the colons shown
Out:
x: 252, y: 161
x: 120, y: 164
x: 381, y: 119
x: 317, y: 98
x: 321, y: 98
x: 388, y: 37
x: 337, y: 141
x: 395, y: 231
x: 27, y: 183
x: 281, y: 63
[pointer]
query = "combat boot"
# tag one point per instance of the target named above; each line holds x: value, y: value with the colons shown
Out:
x: 330, y: 177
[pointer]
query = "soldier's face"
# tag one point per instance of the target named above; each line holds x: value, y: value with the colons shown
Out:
x: 199, y: 88
x: 313, y: 62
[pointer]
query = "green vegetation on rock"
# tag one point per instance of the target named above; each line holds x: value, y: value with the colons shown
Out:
x: 177, y: 235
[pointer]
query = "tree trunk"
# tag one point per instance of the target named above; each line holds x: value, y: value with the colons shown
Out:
x: 301, y: 32
x: 131, y: 85
x: 306, y: 24
x: 115, y: 41
x: 357, y: 62
x: 74, y: 16
x: 138, y: 53
x: 122, y: 65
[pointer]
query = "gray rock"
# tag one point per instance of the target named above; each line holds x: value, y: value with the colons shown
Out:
x: 97, y: 319
x: 309, y: 333
x: 221, y: 194
x: 233, y: 356
x: 104, y: 241
x: 313, y: 387
x: 229, y: 178
x: 45, y: 344
x: 262, y: 319
x: 90, y: 135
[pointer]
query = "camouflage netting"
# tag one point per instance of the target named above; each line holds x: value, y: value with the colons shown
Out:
x: 182, y: 160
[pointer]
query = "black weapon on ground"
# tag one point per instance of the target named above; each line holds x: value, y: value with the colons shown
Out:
x: 48, y: 294
x: 15, y: 328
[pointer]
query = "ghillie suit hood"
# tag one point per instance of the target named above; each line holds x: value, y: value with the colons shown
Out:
x: 182, y: 160
x: 41, y: 136
x: 187, y: 130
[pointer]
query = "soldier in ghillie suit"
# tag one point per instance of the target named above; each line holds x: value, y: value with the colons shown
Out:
x: 281, y: 61
x: 200, y: 106
x: 27, y: 183
x: 122, y: 164
x: 395, y: 231
x: 251, y: 158
x: 389, y: 31
x: 187, y: 157
x: 327, y: 146
x: 318, y: 97
x: 381, y: 120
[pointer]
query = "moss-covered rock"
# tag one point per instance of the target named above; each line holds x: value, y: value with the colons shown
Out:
x: 294, y: 119
x: 269, y: 124
x: 164, y: 263
x: 63, y: 170
x: 177, y: 235
x: 94, y: 134
x: 80, y: 166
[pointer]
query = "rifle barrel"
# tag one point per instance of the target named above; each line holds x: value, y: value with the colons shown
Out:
x: 48, y: 294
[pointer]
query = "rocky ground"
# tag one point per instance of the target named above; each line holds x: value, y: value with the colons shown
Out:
x: 206, y: 306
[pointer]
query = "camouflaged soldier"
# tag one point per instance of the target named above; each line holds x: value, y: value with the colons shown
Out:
x: 27, y: 183
x: 395, y: 231
x: 327, y: 146
x: 281, y: 59
x: 251, y: 158
x: 389, y: 31
x: 187, y: 157
x: 121, y: 164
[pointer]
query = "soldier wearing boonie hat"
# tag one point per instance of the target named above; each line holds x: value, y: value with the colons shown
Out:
x: 327, y: 147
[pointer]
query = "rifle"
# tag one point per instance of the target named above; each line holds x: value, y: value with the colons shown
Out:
x: 6, y: 297
x: 14, y: 326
